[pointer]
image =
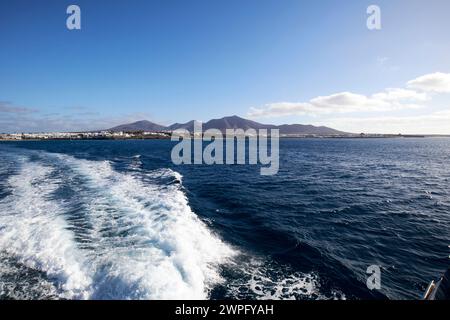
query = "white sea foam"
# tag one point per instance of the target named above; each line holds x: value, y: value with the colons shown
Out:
x: 19, y: 282
x: 144, y: 241
x: 173, y: 254
x: 33, y: 231
x: 268, y: 280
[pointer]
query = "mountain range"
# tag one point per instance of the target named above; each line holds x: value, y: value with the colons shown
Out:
x: 233, y: 122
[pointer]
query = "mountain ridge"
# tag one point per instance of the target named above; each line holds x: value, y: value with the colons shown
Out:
x: 230, y: 122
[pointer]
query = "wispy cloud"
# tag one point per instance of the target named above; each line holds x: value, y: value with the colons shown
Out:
x: 384, y: 63
x: 413, y: 96
x: 7, y: 107
x: 14, y: 119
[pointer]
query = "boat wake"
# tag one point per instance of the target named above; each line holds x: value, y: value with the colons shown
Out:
x: 91, y: 232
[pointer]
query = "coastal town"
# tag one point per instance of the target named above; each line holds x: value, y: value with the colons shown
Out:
x: 146, y: 135
x: 100, y: 135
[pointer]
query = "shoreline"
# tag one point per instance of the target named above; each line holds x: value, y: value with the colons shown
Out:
x: 281, y: 137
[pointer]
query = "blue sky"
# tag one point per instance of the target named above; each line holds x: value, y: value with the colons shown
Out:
x: 287, y: 61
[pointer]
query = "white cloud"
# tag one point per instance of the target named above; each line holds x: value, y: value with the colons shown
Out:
x: 345, y: 102
x: 391, y: 99
x: 434, y: 82
x: 400, y: 94
x: 433, y: 123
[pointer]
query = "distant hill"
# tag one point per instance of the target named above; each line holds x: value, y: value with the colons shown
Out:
x: 233, y: 122
x: 143, y: 125
x: 188, y: 126
x: 308, y: 129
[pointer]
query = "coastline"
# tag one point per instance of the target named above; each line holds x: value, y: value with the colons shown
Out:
x: 281, y: 137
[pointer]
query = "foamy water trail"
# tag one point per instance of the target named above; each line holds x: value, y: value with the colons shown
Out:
x: 129, y: 238
x: 170, y: 253
x: 35, y: 233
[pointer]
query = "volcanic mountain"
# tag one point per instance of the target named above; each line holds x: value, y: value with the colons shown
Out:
x: 233, y: 122
x: 142, y: 125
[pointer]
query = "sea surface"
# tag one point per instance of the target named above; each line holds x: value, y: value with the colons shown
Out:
x: 117, y: 220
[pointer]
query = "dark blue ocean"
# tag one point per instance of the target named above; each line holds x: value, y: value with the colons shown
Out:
x: 117, y: 220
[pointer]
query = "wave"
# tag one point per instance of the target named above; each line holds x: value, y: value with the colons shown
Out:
x: 102, y: 234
